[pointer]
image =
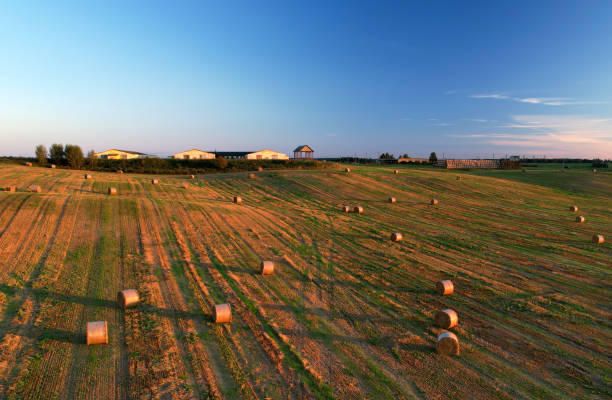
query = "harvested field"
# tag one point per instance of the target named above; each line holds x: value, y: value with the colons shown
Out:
x: 347, y: 313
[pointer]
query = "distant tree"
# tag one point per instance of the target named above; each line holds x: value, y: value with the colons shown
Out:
x: 221, y: 163
x: 41, y: 154
x: 433, y: 158
x: 386, y: 156
x: 405, y: 156
x: 91, y: 160
x: 74, y: 156
x: 56, y: 152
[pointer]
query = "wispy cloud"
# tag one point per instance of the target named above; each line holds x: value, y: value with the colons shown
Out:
x: 442, y: 124
x: 476, y: 119
x: 548, y: 101
x: 570, y: 135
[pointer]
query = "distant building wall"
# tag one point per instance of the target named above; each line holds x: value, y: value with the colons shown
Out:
x: 114, y: 154
x: 478, y: 164
x: 267, y: 155
x: 194, y: 155
x: 412, y: 160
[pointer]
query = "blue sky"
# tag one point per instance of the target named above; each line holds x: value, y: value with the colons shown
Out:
x: 460, y: 78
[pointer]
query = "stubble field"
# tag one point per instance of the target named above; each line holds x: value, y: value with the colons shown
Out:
x: 347, y: 314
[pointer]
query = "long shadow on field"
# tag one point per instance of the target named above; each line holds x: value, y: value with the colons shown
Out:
x: 41, y: 333
x: 387, y: 341
x: 93, y: 302
x: 336, y: 314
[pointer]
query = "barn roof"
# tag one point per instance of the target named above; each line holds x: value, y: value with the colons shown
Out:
x: 232, y: 153
x: 303, y: 147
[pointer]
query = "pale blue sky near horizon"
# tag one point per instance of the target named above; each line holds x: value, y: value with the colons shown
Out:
x: 464, y: 79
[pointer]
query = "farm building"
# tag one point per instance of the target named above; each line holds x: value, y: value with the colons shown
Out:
x: 253, y: 155
x: 114, y: 154
x: 412, y: 160
x: 303, y: 152
x: 194, y: 154
x: 479, y: 164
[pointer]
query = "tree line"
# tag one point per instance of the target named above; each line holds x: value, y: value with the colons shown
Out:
x: 70, y: 155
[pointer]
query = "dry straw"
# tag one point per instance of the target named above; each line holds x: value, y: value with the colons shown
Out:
x: 34, y: 188
x: 222, y: 313
x: 396, y: 172
x: 392, y: 200
x: 155, y: 181
x: 11, y: 189
x: 358, y: 209
x: 580, y: 219
x: 396, y: 237
x: 97, y: 332
x: 446, y: 319
x: 127, y: 298
x: 574, y: 208
x: 598, y: 239
x: 87, y: 176
x: 185, y: 185
x: 267, y: 267
x: 237, y: 199
x: 112, y: 190
x: 445, y: 287
x: 28, y: 164
x: 448, y: 344
x: 191, y: 176
x: 346, y: 209
x: 53, y: 166
x: 347, y: 170
x: 434, y: 202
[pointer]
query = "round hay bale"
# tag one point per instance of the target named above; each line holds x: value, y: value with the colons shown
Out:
x: 396, y: 237
x: 445, y: 287
x: 185, y: 185
x: 434, y: 202
x: 237, y: 199
x: 346, y: 209
x: 574, y: 208
x: 392, y: 200
x: 155, y: 181
x: 267, y: 267
x: 446, y: 319
x: 347, y: 170
x: 594, y: 170
x: 222, y: 313
x: 524, y: 170
x: 191, y: 176
x: 87, y: 176
x: 260, y: 169
x: 458, y: 178
x: 598, y: 239
x: 447, y: 344
x: 396, y: 172
x: 97, y: 332
x: 11, y: 189
x: 252, y: 176
x: 53, y: 166
x: 358, y: 209
x: 28, y: 164
x: 127, y: 298
x: 34, y: 188
x: 580, y: 219
x: 112, y: 191
x: 119, y: 171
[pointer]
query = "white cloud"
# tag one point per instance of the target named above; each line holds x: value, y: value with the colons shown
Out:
x: 442, y: 124
x: 567, y: 135
x: 548, y: 101
x: 489, y: 96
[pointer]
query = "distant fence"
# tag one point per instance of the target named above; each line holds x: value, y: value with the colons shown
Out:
x: 479, y: 164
